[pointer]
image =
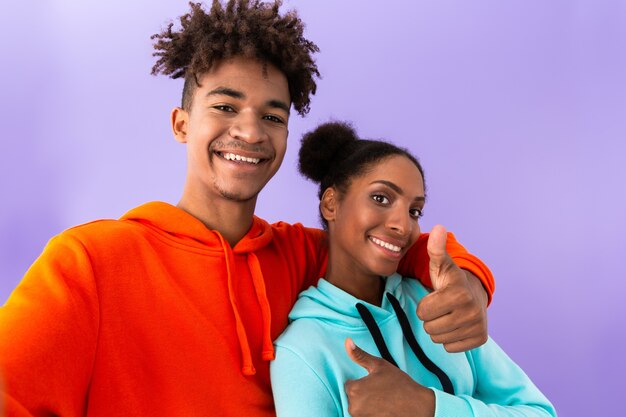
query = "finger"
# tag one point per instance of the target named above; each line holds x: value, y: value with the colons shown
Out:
x: 436, y: 245
x: 448, y: 324
x: 360, y: 357
x: 429, y: 308
x: 436, y: 248
x: 465, y: 344
x: 459, y: 334
x: 443, y: 302
x: 347, y: 387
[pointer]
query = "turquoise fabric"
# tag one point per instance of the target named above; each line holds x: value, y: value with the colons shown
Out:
x: 311, y: 364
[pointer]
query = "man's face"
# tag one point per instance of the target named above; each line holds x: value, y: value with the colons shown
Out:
x: 236, y: 129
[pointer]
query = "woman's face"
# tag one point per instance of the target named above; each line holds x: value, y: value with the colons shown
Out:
x: 376, y: 221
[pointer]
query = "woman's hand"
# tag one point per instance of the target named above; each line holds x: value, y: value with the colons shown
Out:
x: 386, y: 390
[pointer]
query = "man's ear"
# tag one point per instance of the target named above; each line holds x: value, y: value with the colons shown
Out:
x: 180, y: 121
x: 328, y: 204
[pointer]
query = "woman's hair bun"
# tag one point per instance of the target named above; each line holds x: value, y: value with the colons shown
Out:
x: 323, y: 147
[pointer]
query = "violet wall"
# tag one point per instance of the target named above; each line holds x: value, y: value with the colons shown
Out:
x: 517, y: 110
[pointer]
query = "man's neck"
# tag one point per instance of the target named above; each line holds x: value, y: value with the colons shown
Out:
x: 232, y: 219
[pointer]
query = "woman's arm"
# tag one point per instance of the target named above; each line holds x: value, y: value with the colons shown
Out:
x: 297, y: 389
x: 502, y: 389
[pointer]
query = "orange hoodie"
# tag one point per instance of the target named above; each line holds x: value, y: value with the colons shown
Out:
x: 155, y: 315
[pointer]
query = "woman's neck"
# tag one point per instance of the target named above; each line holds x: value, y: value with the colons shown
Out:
x: 369, y: 288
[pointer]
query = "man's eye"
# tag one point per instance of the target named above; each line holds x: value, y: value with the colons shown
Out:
x: 380, y: 199
x: 224, y: 108
x: 273, y: 119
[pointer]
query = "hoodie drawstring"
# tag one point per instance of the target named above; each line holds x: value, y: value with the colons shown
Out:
x: 446, y: 384
x: 246, y: 357
x: 370, y: 322
x: 407, y: 331
x: 261, y: 295
x: 267, y: 352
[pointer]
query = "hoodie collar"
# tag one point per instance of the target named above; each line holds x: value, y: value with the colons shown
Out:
x: 176, y: 224
x: 328, y: 302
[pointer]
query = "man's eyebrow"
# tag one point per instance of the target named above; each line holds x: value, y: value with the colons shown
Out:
x: 225, y: 91
x: 397, y: 189
x: 278, y: 104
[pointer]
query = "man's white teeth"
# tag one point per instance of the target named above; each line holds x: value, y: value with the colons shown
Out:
x: 386, y: 245
x: 235, y: 157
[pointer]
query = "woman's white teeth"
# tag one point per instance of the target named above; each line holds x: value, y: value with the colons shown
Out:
x: 235, y: 157
x: 386, y: 245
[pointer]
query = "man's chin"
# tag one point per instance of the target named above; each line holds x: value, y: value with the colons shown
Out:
x: 238, y: 197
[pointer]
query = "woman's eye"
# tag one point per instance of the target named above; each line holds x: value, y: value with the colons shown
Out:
x: 416, y: 213
x: 380, y: 199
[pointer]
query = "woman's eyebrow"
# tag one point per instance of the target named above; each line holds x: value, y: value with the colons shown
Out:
x: 396, y: 188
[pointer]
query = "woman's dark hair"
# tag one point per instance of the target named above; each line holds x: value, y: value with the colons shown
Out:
x: 333, y: 155
x: 248, y: 28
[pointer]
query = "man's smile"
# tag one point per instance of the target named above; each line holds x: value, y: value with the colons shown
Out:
x: 235, y: 157
x: 243, y: 157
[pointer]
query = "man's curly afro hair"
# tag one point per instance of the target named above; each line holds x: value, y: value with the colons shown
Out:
x: 253, y: 29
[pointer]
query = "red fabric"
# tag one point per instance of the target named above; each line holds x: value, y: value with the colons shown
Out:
x: 134, y: 317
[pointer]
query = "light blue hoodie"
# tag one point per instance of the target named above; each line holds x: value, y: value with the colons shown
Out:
x: 311, y: 364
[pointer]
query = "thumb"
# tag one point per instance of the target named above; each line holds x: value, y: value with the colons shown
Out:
x: 359, y: 356
x: 438, y: 255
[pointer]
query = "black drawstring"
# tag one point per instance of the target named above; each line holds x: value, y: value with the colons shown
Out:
x: 369, y: 321
x: 375, y: 332
x: 417, y: 349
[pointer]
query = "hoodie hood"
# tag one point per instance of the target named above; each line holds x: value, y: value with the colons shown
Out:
x: 177, y: 225
x: 330, y: 303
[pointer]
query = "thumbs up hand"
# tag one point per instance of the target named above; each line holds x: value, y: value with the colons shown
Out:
x: 455, y: 313
x: 386, y: 390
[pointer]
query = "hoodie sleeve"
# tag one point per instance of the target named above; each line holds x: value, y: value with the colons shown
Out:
x: 48, y: 334
x: 306, y: 249
x: 415, y: 263
x: 502, y: 389
x: 298, y: 390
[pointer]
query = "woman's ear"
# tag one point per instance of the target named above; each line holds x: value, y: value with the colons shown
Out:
x: 328, y: 204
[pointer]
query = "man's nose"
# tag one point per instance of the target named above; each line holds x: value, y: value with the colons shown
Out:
x: 248, y: 127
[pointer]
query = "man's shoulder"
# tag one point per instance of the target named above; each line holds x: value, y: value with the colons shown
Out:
x: 285, y: 230
x: 99, y: 232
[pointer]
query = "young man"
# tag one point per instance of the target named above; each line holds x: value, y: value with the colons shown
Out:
x: 173, y: 310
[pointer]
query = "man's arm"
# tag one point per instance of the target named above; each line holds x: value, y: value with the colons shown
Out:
x: 48, y: 333
x: 455, y: 313
x: 416, y: 263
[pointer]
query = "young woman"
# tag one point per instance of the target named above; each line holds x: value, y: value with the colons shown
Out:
x: 371, y: 197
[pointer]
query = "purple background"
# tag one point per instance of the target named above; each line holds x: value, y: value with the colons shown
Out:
x: 517, y: 110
